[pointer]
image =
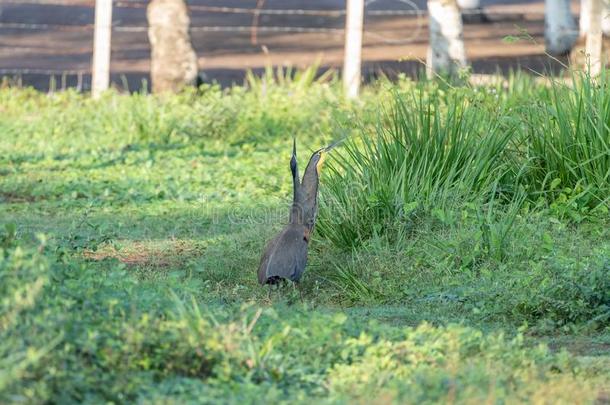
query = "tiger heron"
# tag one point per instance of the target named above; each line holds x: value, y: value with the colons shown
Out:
x: 285, y: 256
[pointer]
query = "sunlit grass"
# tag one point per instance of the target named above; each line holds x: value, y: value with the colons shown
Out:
x: 131, y: 229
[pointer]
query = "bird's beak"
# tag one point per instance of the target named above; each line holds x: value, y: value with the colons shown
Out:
x: 294, y: 147
x: 333, y: 145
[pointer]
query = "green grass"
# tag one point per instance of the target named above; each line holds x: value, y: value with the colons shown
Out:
x: 568, y: 146
x: 448, y: 263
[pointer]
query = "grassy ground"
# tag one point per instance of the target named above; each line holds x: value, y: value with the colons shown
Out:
x: 133, y: 227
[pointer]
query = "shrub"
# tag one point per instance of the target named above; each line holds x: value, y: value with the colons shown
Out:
x: 566, y: 294
x: 23, y: 276
x: 429, y: 151
x: 567, y: 149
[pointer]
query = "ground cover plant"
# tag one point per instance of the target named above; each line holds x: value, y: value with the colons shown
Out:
x: 462, y: 252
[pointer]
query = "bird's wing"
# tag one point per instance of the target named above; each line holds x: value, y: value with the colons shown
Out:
x: 286, y: 255
x: 266, y: 260
x: 300, y: 260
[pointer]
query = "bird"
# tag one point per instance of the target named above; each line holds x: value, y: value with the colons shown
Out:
x: 285, y: 256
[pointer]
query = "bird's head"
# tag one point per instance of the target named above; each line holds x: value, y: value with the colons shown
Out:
x: 317, y: 159
x: 319, y: 155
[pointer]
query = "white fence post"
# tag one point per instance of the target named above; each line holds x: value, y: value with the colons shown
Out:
x: 101, y: 47
x: 354, y: 22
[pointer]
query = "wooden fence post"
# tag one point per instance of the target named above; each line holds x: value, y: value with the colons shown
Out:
x: 101, y: 47
x: 354, y: 22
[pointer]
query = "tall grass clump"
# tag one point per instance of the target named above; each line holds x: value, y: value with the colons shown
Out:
x: 568, y: 143
x: 430, y: 149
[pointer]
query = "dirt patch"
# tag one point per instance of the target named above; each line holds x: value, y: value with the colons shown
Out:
x: 8, y: 197
x: 157, y: 254
x: 580, y: 346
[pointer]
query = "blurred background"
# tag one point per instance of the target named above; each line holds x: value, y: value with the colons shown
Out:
x: 49, y: 43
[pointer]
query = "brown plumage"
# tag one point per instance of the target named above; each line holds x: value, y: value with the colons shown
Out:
x: 285, y: 256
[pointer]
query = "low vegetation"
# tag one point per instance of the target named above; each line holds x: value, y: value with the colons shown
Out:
x: 462, y: 253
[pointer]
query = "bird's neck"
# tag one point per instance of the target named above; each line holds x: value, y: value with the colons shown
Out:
x: 297, y: 209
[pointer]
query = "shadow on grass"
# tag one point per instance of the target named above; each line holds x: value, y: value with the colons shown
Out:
x: 217, y: 247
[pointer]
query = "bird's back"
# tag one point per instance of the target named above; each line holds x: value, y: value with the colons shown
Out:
x: 285, y: 255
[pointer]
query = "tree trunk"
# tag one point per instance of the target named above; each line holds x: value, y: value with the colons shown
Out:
x: 173, y: 60
x: 584, y: 17
x: 587, y: 54
x: 472, y: 12
x: 606, y: 17
x: 593, y: 44
x: 446, y: 52
x: 560, y: 28
x: 583, y: 23
x: 469, y: 4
